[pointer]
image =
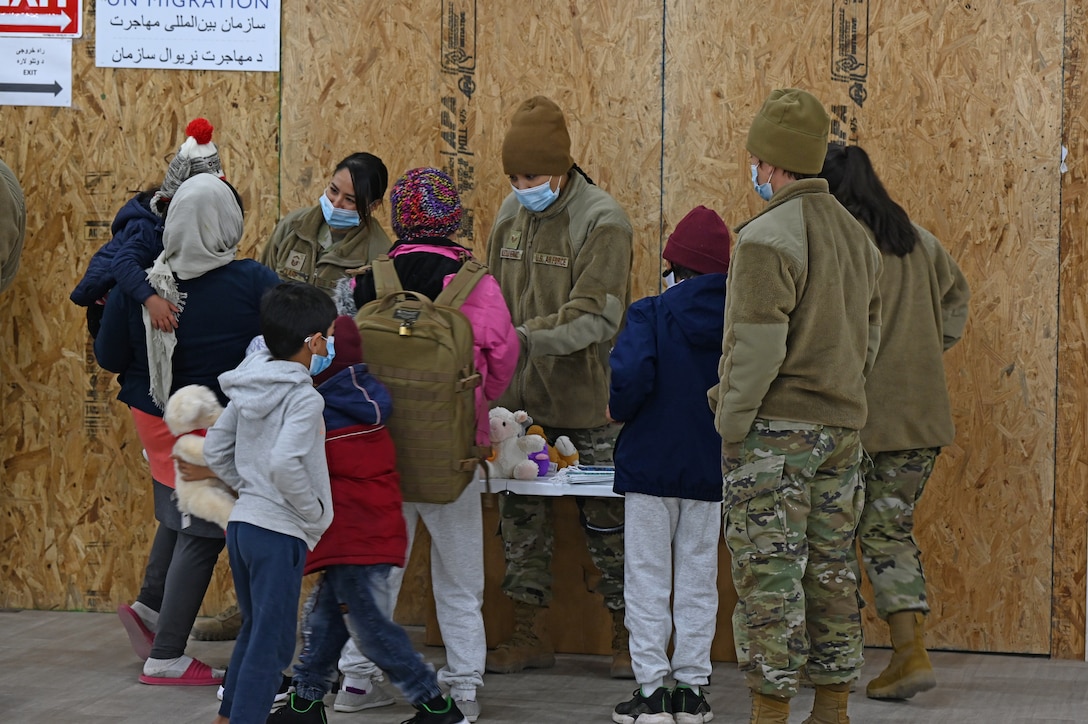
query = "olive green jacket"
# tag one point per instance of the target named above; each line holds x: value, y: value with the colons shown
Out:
x: 295, y: 251
x: 924, y: 298
x: 12, y: 225
x: 802, y: 316
x: 565, y: 273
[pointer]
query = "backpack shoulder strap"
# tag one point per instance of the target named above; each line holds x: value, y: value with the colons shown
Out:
x: 462, y: 284
x: 386, y: 281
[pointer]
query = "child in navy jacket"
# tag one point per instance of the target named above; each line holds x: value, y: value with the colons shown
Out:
x: 664, y: 361
x: 122, y: 261
x: 137, y: 237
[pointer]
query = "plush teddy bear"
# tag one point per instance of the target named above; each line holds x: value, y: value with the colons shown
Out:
x: 562, y: 454
x: 195, y: 407
x: 511, y: 449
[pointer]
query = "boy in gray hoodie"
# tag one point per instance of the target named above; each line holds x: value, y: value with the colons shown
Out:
x: 269, y: 446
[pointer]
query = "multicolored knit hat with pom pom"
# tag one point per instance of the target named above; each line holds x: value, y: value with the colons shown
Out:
x: 197, y: 155
x: 425, y: 203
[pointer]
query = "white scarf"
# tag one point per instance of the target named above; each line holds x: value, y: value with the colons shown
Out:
x: 202, y: 231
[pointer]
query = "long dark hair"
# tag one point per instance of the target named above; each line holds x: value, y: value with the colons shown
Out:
x: 852, y: 180
x: 370, y: 178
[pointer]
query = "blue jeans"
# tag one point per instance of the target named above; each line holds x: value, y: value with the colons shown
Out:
x: 354, y: 596
x: 267, y: 569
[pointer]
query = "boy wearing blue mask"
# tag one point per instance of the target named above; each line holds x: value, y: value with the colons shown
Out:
x: 269, y: 446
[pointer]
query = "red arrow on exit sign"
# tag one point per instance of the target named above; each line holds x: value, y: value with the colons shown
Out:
x: 58, y: 18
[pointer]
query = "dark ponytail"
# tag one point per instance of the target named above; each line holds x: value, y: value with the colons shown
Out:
x: 584, y: 175
x: 851, y: 178
x: 370, y: 179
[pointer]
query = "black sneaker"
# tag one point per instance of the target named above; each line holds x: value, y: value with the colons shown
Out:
x: 689, y: 707
x: 653, y: 709
x: 299, y: 711
x: 439, y: 710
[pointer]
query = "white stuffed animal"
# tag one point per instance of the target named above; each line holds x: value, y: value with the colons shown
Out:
x: 195, y: 407
x: 511, y: 448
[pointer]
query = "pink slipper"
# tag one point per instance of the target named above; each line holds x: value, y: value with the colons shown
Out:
x: 198, y: 674
x: 139, y: 635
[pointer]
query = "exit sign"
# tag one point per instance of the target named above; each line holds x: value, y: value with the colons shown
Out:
x: 57, y: 18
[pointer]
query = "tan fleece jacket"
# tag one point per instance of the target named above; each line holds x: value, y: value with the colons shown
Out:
x: 565, y: 274
x: 802, y: 316
x: 12, y: 225
x: 924, y: 298
x: 295, y: 251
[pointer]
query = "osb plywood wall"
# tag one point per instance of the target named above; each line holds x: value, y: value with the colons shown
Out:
x: 960, y: 106
x: 1071, y: 472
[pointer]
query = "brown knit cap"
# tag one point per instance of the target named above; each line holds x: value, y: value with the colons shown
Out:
x: 537, y: 142
x: 790, y: 132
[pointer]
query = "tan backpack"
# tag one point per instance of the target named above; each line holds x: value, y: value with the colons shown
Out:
x: 422, y: 351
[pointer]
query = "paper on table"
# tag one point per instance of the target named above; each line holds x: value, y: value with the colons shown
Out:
x: 585, y: 474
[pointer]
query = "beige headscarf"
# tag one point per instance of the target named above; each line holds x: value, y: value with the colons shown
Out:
x: 202, y: 231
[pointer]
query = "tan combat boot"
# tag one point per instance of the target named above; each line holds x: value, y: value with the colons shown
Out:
x: 829, y: 706
x: 767, y: 709
x: 909, y: 671
x: 530, y: 646
x: 621, y: 650
x: 224, y: 627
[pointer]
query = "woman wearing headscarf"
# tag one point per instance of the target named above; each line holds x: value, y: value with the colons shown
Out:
x: 219, y: 298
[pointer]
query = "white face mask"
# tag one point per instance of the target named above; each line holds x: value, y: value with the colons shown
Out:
x: 537, y: 198
x: 670, y: 280
x: 763, y: 189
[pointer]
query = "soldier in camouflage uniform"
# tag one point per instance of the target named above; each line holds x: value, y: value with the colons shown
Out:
x: 801, y: 330
x: 527, y: 531
x: 924, y: 309
x: 561, y: 250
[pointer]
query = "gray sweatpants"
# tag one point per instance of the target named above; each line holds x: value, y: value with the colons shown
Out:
x: 457, y: 579
x: 671, y: 548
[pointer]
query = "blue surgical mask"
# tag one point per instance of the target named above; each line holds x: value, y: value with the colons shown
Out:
x: 763, y: 189
x: 537, y: 198
x: 338, y: 218
x: 319, y: 363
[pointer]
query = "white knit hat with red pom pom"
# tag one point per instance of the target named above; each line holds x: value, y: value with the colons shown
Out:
x: 197, y: 155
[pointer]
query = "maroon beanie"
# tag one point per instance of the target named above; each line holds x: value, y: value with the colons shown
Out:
x: 700, y: 242
x: 349, y: 347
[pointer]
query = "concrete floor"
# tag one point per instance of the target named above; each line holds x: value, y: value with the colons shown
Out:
x: 60, y: 667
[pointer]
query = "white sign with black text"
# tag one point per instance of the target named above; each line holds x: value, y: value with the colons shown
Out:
x: 205, y: 35
x: 36, y: 71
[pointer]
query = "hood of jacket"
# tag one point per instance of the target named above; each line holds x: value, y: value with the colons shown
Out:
x: 135, y: 208
x: 260, y: 383
x: 354, y: 397
x: 694, y: 308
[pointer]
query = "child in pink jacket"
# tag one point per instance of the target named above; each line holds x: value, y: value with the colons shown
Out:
x: 426, y: 216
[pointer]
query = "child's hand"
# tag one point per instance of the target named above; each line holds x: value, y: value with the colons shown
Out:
x: 163, y: 313
x: 189, y: 471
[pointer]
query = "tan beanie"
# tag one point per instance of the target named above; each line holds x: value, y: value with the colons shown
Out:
x: 537, y: 142
x: 790, y: 132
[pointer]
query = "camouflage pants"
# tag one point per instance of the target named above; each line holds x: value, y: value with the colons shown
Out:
x: 792, y: 503
x: 528, y: 532
x: 894, y: 482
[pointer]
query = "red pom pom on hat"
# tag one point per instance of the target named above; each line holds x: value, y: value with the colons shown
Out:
x: 200, y: 129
